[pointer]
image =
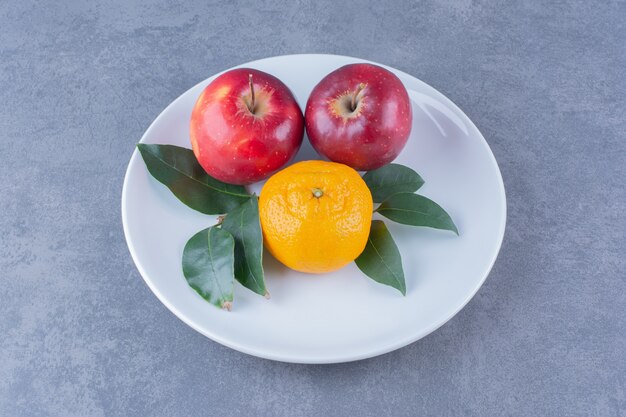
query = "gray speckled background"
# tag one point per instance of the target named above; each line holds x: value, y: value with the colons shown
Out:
x: 82, y: 335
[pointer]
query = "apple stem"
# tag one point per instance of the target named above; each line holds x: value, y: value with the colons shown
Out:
x: 251, y: 107
x: 353, y: 102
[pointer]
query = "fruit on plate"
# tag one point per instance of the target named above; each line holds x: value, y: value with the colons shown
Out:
x: 315, y: 215
x: 245, y: 126
x: 359, y: 115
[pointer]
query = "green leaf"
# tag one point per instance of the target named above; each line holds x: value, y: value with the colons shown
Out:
x: 208, y: 265
x: 178, y: 169
x: 244, y: 224
x: 392, y: 179
x: 380, y: 260
x: 416, y: 210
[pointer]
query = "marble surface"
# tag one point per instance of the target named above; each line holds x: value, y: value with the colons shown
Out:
x: 82, y: 335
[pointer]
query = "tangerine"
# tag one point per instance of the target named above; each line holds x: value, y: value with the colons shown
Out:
x: 315, y: 215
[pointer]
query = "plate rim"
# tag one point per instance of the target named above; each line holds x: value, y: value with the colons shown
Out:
x: 307, y: 359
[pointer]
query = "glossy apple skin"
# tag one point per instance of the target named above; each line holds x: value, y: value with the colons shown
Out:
x: 236, y: 146
x: 371, y: 136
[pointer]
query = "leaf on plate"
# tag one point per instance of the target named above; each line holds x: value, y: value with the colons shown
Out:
x: 416, y: 210
x: 244, y: 224
x: 208, y: 265
x: 178, y: 169
x: 380, y: 260
x: 392, y: 179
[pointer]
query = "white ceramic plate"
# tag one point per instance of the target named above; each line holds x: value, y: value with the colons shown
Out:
x: 343, y: 316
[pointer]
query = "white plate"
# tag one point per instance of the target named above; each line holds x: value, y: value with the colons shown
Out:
x: 342, y: 316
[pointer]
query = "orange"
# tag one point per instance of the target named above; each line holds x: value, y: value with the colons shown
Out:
x: 315, y: 215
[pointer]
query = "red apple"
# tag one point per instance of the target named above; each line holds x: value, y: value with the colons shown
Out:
x: 245, y: 126
x: 359, y: 115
